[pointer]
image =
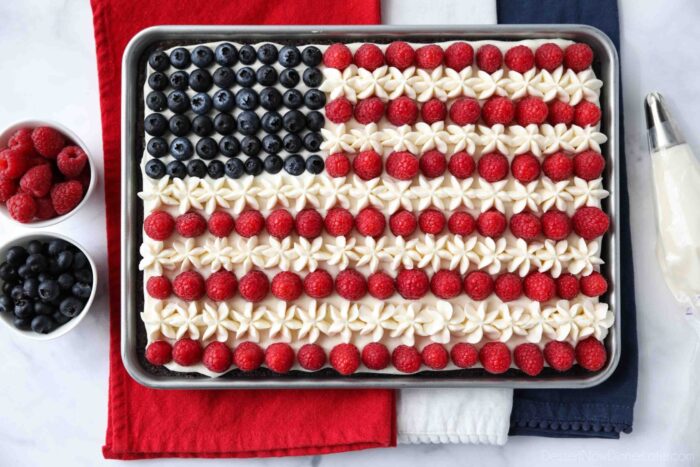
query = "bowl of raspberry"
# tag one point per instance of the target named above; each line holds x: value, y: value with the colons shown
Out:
x: 47, y: 285
x: 46, y: 174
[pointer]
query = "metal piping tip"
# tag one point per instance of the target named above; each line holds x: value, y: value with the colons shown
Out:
x: 661, y: 127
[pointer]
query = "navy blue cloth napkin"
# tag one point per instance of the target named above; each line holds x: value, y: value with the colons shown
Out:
x: 605, y: 410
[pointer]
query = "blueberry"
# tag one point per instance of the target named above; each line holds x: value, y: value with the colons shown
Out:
x: 271, y: 122
x: 312, y: 77
x: 180, y: 80
x: 202, y: 56
x: 181, y: 148
x: 270, y: 99
x: 250, y: 146
x: 314, y: 99
x: 41, y: 308
x: 16, y: 256
x: 207, y: 148
x: 156, y: 101
x: 157, y: 147
x: 155, y: 169
x: 224, y: 124
x: 158, y: 81
x: 64, y: 260
x: 311, y: 56
x: 80, y: 261
x: 180, y: 58
x: 66, y: 280
x: 267, y: 54
x: 159, y: 61
x: 23, y: 324
x: 291, y: 143
x: 30, y: 287
x: 6, y: 304
x: 245, y: 77
x: 24, y: 308
x: 155, y: 124
x: 294, y: 164
x: 226, y: 54
x: 229, y: 146
x: 201, y: 80
x: 266, y: 75
x: 7, y: 288
x: 49, y: 290
x: 44, y: 277
x: 224, y: 77
x: 24, y: 271
x: 234, y: 168
x: 35, y: 247
x: 314, y: 164
x: 83, y: 275
x: 70, y: 306
x: 53, y: 269
x: 312, y: 141
x: 43, y: 324
x: 253, y: 166
x: 294, y: 121
x: 292, y: 98
x: 176, y: 169
x: 81, y: 290
x: 247, y: 54
x: 272, y: 144
x: 197, y: 168
x: 273, y: 164
x: 202, y: 125
x: 37, y: 263
x: 179, y: 125
x: 201, y: 103
x: 247, y: 99
x: 178, y: 102
x: 7, y: 272
x: 60, y: 318
x: 248, y: 122
x: 315, y: 121
x: 223, y: 100
x: 289, y: 56
x: 17, y: 292
x: 216, y: 169
x: 289, y: 78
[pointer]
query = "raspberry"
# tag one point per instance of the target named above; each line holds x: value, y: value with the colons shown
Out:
x: 254, y: 286
x: 560, y: 112
x: 531, y: 110
x: 433, y: 164
x: 66, y: 196
x: 586, y: 113
x: 525, y: 168
x: 461, y: 223
x: 311, y: 357
x: 590, y: 222
x: 318, y: 284
x: 279, y: 223
x: 248, y: 356
x: 279, y: 357
x: 578, y: 57
x: 478, y: 285
x: 47, y: 141
x: 369, y: 110
x: 380, y: 285
x: 594, y: 285
x: 400, y: 55
x: 508, y: 287
x: 339, y: 110
x: 429, y: 56
x: 338, y: 165
x: 71, y: 161
x: 558, y: 167
x: 370, y: 222
x: 432, y: 221
x: 21, y: 141
x: 459, y: 55
x: 44, y: 209
x: 367, y: 165
x: 567, y: 286
x: 495, y: 357
x: 406, y: 359
x: 559, y: 355
x: 589, y: 165
x: 446, y: 284
x: 539, y: 286
x: 488, y: 58
x: 493, y: 167
x: 221, y: 285
x: 339, y: 222
x: 187, y: 352
x: 309, y: 223
x: 8, y: 187
x: 402, y: 111
x: 337, y: 56
x: 345, y: 358
x: 159, y: 353
x: 464, y: 355
x: 461, y: 165
x: 465, y: 111
x: 433, y: 111
x: 549, y: 56
x: 192, y: 224
x: 159, y: 225
x: 37, y: 181
x: 158, y: 287
x: 556, y: 225
x: 528, y: 357
x: 435, y: 356
x: 403, y: 223
x: 287, y: 286
x: 369, y: 57
x: 520, y: 58
x: 525, y: 225
x: 189, y: 285
x: 220, y: 224
x: 412, y: 284
x: 350, y: 284
x: 217, y: 357
x: 591, y: 354
x: 498, y: 110
x: 491, y: 223
x: 375, y: 356
x: 12, y: 164
x: 402, y: 165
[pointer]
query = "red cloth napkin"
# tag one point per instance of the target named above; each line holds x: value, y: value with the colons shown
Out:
x: 147, y: 423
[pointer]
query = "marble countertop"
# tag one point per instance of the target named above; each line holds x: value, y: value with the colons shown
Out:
x: 53, y: 396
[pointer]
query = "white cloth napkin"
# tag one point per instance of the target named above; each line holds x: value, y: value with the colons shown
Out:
x: 477, y: 416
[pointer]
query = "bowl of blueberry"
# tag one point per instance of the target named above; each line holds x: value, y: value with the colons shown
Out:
x: 47, y: 284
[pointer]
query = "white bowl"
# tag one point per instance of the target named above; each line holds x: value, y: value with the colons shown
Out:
x: 5, y: 137
x: 6, y: 319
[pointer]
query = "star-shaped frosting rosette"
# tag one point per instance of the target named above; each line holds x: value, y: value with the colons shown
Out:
x: 243, y: 193
x: 338, y: 83
x: 376, y: 319
x: 399, y: 83
x: 155, y: 257
x: 372, y: 253
x: 186, y: 321
x: 305, y: 191
x: 510, y: 321
x: 335, y: 191
x: 524, y: 84
x: 486, y: 85
x: 371, y: 83
x: 213, y: 194
x: 337, y: 139
x: 283, y: 321
x: 492, y: 195
x: 525, y: 196
x: 399, y: 139
x: 368, y: 137
x: 397, y: 194
x: 553, y: 85
x: 278, y: 253
x: 553, y: 257
x: 408, y: 324
x: 539, y: 323
x: 459, y: 192
x: 251, y: 321
x: 586, y: 138
x: 313, y: 321
x: 308, y: 254
x: 439, y: 321
x: 492, y: 254
x: 523, y: 257
x: 593, y: 319
x: 427, y: 84
x: 582, y: 85
x: 185, y: 191
x: 246, y: 253
x: 526, y: 139
x: 274, y: 191
x: 494, y: 138
x: 432, y: 251
x: 554, y: 195
x: 217, y: 321
x: 431, y: 136
x: 155, y: 319
x: 157, y: 193
x: 403, y: 253
x: 463, y: 252
x: 556, y: 138
x: 584, y: 257
x: 340, y: 253
x: 480, y: 321
x: 587, y: 193
x: 564, y: 324
x: 345, y: 320
x: 458, y: 83
x: 187, y: 254
x: 366, y: 193
x: 428, y: 192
